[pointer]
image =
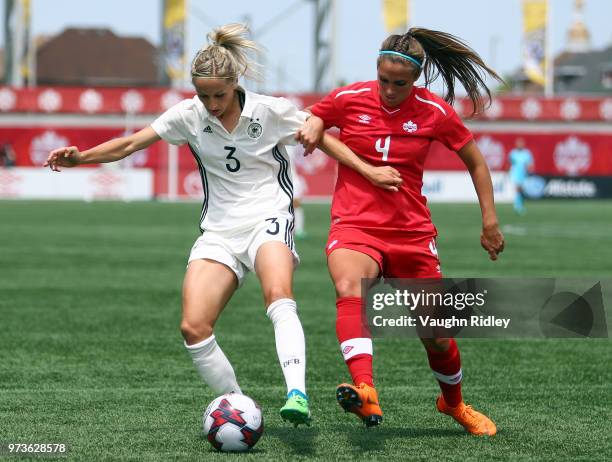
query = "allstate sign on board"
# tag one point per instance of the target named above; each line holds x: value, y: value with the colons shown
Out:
x: 559, y: 187
x: 457, y: 187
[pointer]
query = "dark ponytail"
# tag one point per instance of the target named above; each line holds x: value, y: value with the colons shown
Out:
x: 447, y: 56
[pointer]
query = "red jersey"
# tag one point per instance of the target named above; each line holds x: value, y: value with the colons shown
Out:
x: 399, y: 137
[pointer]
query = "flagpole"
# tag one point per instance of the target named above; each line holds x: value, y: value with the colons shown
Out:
x: 549, y: 87
x: 186, y: 57
x: 408, y: 15
x: 18, y: 45
x: 333, y: 45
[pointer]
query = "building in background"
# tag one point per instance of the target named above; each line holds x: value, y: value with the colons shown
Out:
x: 96, y: 57
x: 577, y: 69
x: 578, y: 35
x: 584, y: 72
x: 588, y: 72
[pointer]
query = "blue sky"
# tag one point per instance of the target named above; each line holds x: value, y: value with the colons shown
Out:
x: 491, y: 27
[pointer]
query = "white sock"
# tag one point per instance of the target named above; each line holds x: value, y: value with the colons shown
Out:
x: 213, y: 366
x: 290, y: 344
x: 298, y: 213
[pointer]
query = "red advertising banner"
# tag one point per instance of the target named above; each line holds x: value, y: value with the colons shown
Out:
x: 76, y: 100
x: 530, y: 108
x: 555, y: 154
x: 32, y: 146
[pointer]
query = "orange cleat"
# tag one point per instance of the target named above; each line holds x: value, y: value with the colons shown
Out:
x: 473, y: 421
x: 361, y: 400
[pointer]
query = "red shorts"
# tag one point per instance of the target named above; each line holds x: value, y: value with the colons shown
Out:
x: 399, y: 255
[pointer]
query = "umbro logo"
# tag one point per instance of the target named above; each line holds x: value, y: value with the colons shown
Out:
x: 364, y: 118
x: 432, y: 248
x: 410, y: 126
x: 208, y: 129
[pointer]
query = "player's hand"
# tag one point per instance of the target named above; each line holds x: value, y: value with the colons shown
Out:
x: 310, y: 134
x: 492, y: 240
x: 384, y: 177
x: 63, y: 157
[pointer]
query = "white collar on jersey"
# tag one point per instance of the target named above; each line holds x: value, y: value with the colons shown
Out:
x: 247, y: 110
x: 389, y: 111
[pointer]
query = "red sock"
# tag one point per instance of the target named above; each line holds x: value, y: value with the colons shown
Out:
x: 446, y: 366
x: 355, y: 339
x: 360, y: 367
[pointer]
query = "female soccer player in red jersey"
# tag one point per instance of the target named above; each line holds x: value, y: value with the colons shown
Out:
x: 377, y: 233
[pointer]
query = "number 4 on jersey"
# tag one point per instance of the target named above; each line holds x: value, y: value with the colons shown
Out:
x: 384, y: 150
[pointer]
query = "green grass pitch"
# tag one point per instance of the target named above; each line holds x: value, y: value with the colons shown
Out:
x: 91, y: 354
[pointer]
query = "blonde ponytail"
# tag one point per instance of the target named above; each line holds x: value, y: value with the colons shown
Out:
x: 226, y: 56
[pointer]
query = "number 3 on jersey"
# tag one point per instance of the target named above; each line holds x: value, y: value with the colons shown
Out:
x: 234, y: 164
x: 384, y: 150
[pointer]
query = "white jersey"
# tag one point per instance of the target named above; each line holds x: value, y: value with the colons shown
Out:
x: 246, y: 174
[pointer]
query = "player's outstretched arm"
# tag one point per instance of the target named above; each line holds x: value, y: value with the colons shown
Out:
x: 384, y: 177
x: 110, y: 151
x: 491, y: 238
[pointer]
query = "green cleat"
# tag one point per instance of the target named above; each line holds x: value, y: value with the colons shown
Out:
x: 296, y: 409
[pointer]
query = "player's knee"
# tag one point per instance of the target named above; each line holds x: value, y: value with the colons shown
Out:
x: 347, y: 287
x: 195, y: 333
x: 276, y: 292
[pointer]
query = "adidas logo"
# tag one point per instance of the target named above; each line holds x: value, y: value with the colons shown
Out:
x: 207, y: 129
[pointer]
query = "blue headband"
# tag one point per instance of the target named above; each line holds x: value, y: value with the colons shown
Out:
x: 397, y: 53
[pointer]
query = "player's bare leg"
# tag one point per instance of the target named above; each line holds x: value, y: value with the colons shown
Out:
x: 347, y: 268
x: 207, y: 288
x: 274, y: 267
x: 445, y: 363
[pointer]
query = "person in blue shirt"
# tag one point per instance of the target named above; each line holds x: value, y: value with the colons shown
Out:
x: 521, y: 163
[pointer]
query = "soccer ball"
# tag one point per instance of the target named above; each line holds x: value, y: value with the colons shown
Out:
x: 233, y: 422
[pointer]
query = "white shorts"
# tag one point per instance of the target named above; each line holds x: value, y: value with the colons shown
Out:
x: 238, y: 251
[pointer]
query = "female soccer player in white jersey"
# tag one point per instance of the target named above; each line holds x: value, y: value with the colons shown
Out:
x: 237, y: 138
